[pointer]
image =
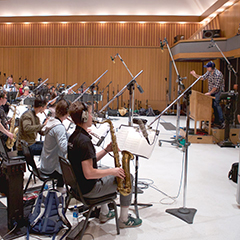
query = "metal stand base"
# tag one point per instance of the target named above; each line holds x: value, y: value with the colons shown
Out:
x: 175, y: 142
x: 185, y: 214
x: 226, y: 143
x: 135, y: 203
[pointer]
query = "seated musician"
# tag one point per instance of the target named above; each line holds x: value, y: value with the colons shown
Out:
x: 24, y: 83
x: 55, y: 143
x: 4, y: 130
x: 29, y: 126
x: 95, y: 182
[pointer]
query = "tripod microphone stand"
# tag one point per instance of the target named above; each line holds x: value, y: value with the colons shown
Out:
x: 131, y: 89
x: 230, y: 96
x: 181, y: 87
x: 186, y: 214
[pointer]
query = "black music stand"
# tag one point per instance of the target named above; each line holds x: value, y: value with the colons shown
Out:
x: 129, y: 134
x: 11, y: 96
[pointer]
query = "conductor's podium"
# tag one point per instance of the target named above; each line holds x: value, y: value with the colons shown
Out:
x: 201, y: 110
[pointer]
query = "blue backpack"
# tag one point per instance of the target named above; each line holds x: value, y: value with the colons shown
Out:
x: 48, y: 215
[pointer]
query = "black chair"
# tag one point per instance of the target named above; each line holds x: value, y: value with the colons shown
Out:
x: 31, y: 165
x: 8, y: 155
x: 73, y: 190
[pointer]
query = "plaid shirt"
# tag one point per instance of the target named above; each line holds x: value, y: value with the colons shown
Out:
x: 215, y: 80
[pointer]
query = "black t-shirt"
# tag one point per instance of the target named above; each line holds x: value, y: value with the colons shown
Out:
x: 80, y: 148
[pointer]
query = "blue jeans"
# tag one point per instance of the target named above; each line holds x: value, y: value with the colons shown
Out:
x: 36, y: 148
x: 217, y: 108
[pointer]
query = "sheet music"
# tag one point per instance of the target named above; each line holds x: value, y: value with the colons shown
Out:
x: 132, y: 140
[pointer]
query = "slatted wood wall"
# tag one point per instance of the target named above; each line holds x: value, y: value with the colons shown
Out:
x: 77, y: 52
x: 230, y: 20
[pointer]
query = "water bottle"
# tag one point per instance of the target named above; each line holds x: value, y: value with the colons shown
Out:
x: 75, y: 216
x: 46, y: 187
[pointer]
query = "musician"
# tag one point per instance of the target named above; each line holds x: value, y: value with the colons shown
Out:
x: 29, y: 126
x: 4, y: 129
x: 215, y: 87
x: 24, y: 83
x: 95, y: 182
x: 55, y: 143
x: 9, y: 86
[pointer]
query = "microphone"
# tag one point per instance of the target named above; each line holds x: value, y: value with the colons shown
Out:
x: 82, y: 85
x: 142, y: 127
x: 113, y: 59
x: 161, y: 45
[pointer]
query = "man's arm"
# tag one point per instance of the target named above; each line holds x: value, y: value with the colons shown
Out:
x: 211, y: 92
x: 93, y: 173
x: 195, y: 75
x: 5, y: 131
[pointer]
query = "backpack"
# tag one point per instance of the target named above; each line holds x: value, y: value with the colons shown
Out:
x: 233, y: 173
x: 48, y: 215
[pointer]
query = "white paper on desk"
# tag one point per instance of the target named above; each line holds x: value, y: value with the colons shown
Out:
x: 130, y: 139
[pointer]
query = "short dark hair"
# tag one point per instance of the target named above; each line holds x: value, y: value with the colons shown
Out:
x: 62, y: 108
x: 76, y: 109
x: 40, y: 102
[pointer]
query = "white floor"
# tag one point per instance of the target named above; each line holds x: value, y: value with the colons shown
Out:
x: 208, y: 191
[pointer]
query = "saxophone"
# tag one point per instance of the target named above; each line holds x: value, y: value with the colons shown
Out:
x: 124, y: 185
x: 14, y: 130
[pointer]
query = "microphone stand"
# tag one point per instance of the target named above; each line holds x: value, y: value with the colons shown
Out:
x: 89, y: 87
x: 227, y: 142
x: 181, y: 87
x: 103, y: 91
x: 120, y: 92
x: 131, y: 89
x: 63, y: 93
x: 97, y: 88
x: 229, y: 65
x: 186, y: 214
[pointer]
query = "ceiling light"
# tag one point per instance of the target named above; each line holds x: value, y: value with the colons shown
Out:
x: 220, y: 10
x: 228, y: 4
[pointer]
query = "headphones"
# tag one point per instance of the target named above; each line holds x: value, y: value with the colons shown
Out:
x: 84, y: 116
x: 213, y: 64
x: 68, y: 104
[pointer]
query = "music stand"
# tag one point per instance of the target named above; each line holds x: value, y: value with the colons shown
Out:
x: 129, y: 139
x: 11, y: 96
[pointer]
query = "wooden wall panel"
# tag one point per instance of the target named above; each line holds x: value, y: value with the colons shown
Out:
x: 230, y: 20
x: 92, y: 34
x: 78, y: 65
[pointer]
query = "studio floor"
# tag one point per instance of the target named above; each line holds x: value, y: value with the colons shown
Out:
x: 208, y: 190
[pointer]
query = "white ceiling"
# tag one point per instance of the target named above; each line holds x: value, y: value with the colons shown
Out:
x: 104, y: 7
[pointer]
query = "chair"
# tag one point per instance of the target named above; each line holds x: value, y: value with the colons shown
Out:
x: 36, y: 172
x: 73, y: 190
x: 8, y: 156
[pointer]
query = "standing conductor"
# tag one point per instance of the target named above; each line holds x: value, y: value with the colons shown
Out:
x: 215, y: 87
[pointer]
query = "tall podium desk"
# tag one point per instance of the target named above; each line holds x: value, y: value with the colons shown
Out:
x: 200, y: 109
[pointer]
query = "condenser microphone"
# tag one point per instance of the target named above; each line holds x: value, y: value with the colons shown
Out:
x: 161, y: 45
x: 113, y: 59
x: 142, y: 128
x: 82, y: 85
